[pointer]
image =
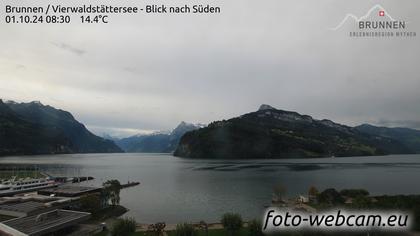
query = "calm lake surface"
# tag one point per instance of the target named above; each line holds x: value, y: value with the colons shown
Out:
x: 177, y: 190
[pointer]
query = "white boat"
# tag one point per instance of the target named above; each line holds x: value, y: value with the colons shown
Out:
x: 14, y: 186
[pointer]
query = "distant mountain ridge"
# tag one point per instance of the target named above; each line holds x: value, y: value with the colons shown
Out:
x: 409, y: 137
x: 162, y: 142
x: 273, y: 133
x: 34, y: 128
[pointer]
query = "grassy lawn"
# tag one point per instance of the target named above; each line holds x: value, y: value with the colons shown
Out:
x: 212, y: 232
x: 105, y: 233
x: 244, y: 232
x: 216, y: 232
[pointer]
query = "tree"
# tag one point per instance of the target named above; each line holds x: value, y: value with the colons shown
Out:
x: 354, y: 193
x: 157, y: 229
x: 90, y: 203
x: 330, y: 196
x: 232, y: 222
x: 123, y: 227
x: 312, y: 193
x: 361, y: 202
x: 204, y: 226
x: 255, y: 228
x: 105, y: 196
x: 185, y: 230
x: 279, y: 191
x: 112, y: 191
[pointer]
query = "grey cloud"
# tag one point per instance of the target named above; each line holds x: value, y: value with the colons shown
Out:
x: 20, y: 67
x: 70, y: 48
x: 154, y: 71
x: 414, y: 124
x: 130, y: 69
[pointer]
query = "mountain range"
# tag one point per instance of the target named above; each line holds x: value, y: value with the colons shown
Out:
x: 409, y: 137
x: 159, y: 142
x: 34, y: 128
x: 273, y: 133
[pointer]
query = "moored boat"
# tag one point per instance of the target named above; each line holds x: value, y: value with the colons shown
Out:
x: 15, y: 186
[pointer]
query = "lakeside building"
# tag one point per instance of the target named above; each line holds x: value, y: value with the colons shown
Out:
x: 302, y: 199
x: 18, y: 207
x: 41, y: 224
x: 69, y: 191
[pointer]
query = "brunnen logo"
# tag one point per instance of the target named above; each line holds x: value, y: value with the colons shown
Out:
x: 376, y: 23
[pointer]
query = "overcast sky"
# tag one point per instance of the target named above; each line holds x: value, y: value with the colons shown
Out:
x: 149, y: 72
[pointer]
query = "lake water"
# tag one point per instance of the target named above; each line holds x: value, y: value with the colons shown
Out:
x: 177, y: 190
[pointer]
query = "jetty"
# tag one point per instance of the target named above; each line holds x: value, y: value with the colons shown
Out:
x: 129, y: 184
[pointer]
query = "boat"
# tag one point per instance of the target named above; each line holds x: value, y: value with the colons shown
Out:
x: 14, y: 186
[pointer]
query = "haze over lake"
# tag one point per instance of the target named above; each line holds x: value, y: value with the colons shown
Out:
x: 176, y: 190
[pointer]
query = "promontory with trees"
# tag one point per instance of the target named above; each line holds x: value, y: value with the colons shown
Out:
x: 273, y: 133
